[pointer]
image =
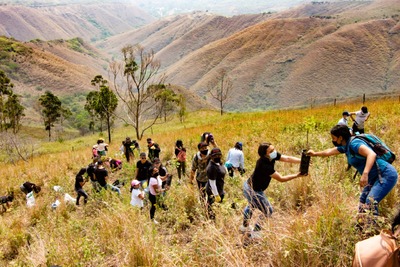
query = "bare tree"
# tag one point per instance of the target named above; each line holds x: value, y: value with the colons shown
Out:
x: 137, y: 83
x: 220, y: 88
x: 16, y: 148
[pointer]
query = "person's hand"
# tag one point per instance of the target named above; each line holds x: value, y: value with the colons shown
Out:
x: 301, y: 175
x: 218, y: 198
x: 310, y: 153
x: 364, y: 180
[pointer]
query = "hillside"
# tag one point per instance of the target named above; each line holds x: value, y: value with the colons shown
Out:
x: 313, y: 224
x: 283, y: 62
x: 313, y: 53
x: 176, y: 36
x: 90, y: 21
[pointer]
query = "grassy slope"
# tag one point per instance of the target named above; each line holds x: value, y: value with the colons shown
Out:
x: 312, y: 224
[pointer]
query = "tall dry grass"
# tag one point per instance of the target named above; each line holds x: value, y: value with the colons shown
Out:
x: 313, y: 223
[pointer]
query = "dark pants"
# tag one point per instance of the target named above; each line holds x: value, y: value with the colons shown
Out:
x: 356, y: 129
x: 231, y: 171
x: 153, y: 201
x: 81, y: 193
x: 181, y: 168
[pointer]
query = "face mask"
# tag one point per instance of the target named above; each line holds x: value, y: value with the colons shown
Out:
x: 273, y: 154
x: 204, y: 152
x: 336, y: 144
x: 217, y: 160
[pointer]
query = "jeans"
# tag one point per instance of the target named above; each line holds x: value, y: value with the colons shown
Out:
x: 81, y: 193
x: 373, y: 194
x: 258, y: 200
x: 113, y: 188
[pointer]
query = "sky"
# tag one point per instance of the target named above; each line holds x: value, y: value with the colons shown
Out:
x: 162, y: 8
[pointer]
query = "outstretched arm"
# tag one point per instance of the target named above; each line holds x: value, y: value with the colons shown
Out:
x: 325, y: 153
x: 277, y: 176
x: 289, y: 159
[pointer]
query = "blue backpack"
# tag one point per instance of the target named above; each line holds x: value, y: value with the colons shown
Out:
x: 379, y: 147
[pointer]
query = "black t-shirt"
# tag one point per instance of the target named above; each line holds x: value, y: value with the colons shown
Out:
x: 90, y: 171
x: 261, y: 176
x: 154, y: 153
x: 101, y: 175
x: 216, y: 172
x: 143, y: 170
x: 78, y: 179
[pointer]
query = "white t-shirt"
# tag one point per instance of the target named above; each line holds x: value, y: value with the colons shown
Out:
x: 135, y: 200
x: 235, y: 157
x: 343, y: 121
x: 155, y: 181
x: 360, y: 118
x: 101, y: 146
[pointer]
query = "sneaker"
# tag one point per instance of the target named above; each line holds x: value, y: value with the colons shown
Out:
x: 155, y: 222
x: 244, y: 229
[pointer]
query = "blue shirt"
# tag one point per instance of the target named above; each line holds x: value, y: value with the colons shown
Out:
x: 358, y: 161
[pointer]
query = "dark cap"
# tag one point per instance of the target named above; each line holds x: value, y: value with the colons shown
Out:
x: 202, y: 144
x: 148, y: 139
x: 99, y: 162
x: 142, y: 154
x: 346, y: 113
x: 215, y: 152
x: 156, y: 160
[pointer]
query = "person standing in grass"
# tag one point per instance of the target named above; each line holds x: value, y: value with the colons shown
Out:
x: 129, y: 146
x: 154, y: 149
x: 199, y: 165
x: 364, y: 159
x: 142, y: 170
x: 253, y: 188
x: 79, y: 182
x: 361, y: 117
x: 155, y: 190
x: 235, y: 160
x: 345, y: 118
x: 215, y: 186
x: 102, y: 147
x: 180, y: 154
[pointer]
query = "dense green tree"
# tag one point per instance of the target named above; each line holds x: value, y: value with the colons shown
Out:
x: 5, y: 90
x: 106, y: 102
x: 166, y: 100
x: 51, y: 110
x: 13, y: 111
x: 91, y: 107
x: 182, y: 108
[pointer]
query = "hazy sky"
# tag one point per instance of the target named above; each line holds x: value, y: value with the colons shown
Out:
x: 160, y: 8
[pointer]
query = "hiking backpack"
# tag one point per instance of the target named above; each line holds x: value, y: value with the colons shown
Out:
x: 378, y: 146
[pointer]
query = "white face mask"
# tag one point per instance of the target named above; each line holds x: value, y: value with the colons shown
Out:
x: 273, y: 154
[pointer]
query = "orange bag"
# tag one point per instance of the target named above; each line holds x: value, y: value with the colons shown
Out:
x: 378, y: 251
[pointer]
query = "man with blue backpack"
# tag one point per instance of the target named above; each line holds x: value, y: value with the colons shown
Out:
x: 372, y: 159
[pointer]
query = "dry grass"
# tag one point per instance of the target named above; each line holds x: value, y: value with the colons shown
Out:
x: 313, y: 223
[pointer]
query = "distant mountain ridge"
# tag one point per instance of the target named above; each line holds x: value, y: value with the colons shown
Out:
x: 313, y: 53
x: 91, y: 21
